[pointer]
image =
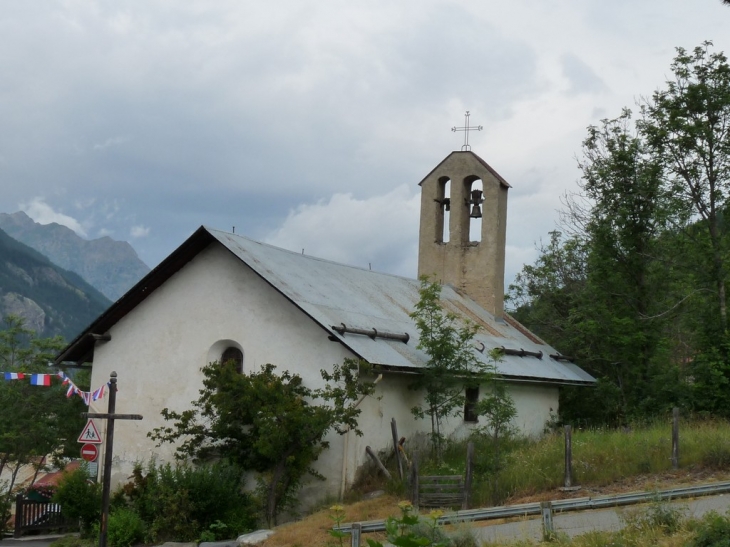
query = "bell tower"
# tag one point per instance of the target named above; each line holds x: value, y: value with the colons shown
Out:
x: 463, y: 228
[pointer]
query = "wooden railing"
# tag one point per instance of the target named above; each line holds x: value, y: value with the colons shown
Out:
x: 39, y: 515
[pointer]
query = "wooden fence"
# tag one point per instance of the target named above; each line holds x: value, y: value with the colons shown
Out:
x: 39, y: 516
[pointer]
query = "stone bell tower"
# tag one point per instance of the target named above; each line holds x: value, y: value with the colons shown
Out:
x: 454, y: 254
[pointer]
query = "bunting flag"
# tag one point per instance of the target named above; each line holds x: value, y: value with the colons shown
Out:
x: 98, y: 394
x: 45, y: 380
x: 40, y: 379
x: 14, y: 375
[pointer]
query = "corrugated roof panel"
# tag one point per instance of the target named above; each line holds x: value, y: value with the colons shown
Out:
x: 334, y: 294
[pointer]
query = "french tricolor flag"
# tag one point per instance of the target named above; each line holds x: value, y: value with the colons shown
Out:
x: 14, y: 375
x: 40, y: 379
x: 98, y: 394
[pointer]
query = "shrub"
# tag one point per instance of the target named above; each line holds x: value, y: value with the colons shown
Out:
x: 79, y: 498
x: 180, y: 503
x: 659, y: 515
x: 125, y: 528
x: 5, y: 505
x: 712, y: 531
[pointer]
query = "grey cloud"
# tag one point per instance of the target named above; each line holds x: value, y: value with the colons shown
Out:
x: 581, y: 76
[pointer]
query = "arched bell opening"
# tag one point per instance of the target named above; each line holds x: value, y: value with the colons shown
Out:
x: 474, y: 192
x: 444, y: 215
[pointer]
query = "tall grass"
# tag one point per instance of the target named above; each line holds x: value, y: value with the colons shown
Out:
x: 600, y: 457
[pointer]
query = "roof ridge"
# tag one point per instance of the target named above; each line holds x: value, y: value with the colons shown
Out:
x: 310, y: 257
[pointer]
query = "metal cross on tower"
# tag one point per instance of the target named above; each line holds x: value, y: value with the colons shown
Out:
x: 466, y: 130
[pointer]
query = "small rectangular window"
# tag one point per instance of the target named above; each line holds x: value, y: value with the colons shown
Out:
x: 470, y: 403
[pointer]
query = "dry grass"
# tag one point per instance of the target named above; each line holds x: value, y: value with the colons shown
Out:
x: 312, y: 531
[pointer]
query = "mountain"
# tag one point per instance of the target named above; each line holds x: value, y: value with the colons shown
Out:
x: 113, y: 267
x: 50, y: 299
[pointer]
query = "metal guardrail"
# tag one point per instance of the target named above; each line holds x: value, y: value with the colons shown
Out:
x: 558, y: 506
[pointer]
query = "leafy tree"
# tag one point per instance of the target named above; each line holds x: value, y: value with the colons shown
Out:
x: 688, y: 127
x: 498, y: 410
x: 636, y: 291
x: 267, y: 422
x: 35, y: 421
x: 452, y: 361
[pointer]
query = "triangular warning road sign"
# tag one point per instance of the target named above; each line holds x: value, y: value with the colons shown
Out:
x: 90, y: 434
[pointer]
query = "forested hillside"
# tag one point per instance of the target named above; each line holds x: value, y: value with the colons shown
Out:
x: 51, y: 301
x: 633, y: 285
x: 112, y: 267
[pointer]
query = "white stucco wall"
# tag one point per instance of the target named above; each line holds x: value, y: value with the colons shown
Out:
x: 535, y: 404
x: 159, y: 348
x: 215, y: 301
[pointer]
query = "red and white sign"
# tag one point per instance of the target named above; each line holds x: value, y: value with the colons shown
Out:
x: 90, y: 434
x: 89, y: 452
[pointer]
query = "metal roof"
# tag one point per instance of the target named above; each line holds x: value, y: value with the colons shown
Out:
x: 334, y: 295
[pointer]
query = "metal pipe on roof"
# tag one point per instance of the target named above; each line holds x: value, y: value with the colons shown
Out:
x: 520, y: 352
x: 372, y: 333
x: 559, y: 357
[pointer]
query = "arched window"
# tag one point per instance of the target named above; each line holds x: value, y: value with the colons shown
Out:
x: 475, y: 196
x: 445, y: 201
x: 235, y: 355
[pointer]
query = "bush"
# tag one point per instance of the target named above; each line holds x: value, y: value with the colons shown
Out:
x: 125, y: 528
x: 79, y: 498
x: 659, y: 515
x: 181, y: 503
x: 5, y: 505
x: 712, y: 531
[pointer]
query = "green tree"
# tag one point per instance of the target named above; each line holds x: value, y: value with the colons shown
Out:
x: 452, y: 361
x: 629, y: 293
x: 687, y: 125
x: 498, y: 410
x: 267, y: 422
x: 34, y: 421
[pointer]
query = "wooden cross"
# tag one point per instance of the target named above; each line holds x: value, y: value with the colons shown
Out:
x: 110, y: 416
x: 466, y: 130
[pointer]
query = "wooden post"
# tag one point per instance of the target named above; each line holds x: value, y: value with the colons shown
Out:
x: 414, y: 480
x: 356, y: 532
x: 394, y: 430
x: 548, y: 530
x: 110, y: 417
x: 469, y: 475
x: 675, y: 438
x: 18, y: 516
x: 568, y: 458
x: 369, y: 452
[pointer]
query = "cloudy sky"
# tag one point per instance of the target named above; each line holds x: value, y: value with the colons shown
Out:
x: 308, y: 124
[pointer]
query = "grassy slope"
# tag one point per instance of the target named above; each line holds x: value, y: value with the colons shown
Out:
x: 605, y: 462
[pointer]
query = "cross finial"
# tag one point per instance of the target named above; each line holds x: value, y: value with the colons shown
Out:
x: 466, y: 130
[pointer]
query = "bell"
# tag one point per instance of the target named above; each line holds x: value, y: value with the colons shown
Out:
x: 476, y: 212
